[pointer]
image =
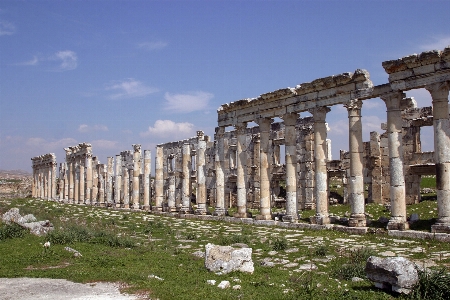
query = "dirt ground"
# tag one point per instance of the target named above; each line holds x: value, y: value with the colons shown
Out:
x: 44, y: 288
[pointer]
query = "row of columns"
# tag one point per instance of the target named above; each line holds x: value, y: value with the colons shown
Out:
x: 44, y: 176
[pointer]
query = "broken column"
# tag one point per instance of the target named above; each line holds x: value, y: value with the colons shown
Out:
x: 186, y: 180
x: 397, y: 182
x: 290, y: 138
x: 159, y: 180
x: 220, y: 177
x: 264, y: 171
x: 441, y: 125
x: 241, y: 129
x: 356, y: 180
x: 147, y: 172
x: 201, y: 180
x: 321, y: 178
x: 136, y: 173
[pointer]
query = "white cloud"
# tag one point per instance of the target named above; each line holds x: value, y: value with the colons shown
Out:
x: 32, y: 62
x: 52, y: 145
x: 152, y: 45
x: 7, y: 28
x: 184, y: 103
x: 130, y: 88
x: 371, y: 123
x: 86, y: 128
x: 104, y: 144
x: 437, y: 43
x: 168, y: 128
x: 68, y: 60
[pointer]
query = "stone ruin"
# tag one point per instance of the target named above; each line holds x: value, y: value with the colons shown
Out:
x: 241, y: 168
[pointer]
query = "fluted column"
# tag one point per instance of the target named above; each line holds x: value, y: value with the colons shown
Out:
x: 88, y: 164
x: 321, y: 176
x: 126, y: 187
x: 76, y: 187
x: 108, y: 179
x: 147, y: 172
x: 220, y: 177
x: 33, y: 182
x: 398, y: 219
x: 102, y: 185
x: 81, y: 182
x: 441, y: 125
x: 201, y: 174
x: 186, y: 180
x: 53, y: 178
x: 94, y: 194
x: 159, y: 179
x: 356, y: 180
x: 136, y: 173
x: 290, y: 138
x: 118, y: 180
x: 241, y: 169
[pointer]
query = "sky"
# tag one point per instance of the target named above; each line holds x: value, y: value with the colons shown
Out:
x: 117, y: 73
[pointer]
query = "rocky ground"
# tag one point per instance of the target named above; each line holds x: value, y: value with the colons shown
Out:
x: 15, y: 183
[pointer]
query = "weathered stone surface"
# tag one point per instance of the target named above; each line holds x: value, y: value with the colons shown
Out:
x: 29, y: 222
x: 397, y: 274
x: 225, y: 259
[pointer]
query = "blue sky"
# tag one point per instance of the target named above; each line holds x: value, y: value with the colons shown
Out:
x: 115, y: 73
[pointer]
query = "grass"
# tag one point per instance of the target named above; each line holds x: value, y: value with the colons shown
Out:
x: 128, y: 247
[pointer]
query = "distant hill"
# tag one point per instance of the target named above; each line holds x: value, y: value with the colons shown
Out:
x: 14, y: 173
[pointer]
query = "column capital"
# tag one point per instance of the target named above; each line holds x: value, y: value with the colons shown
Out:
x: 319, y: 113
x: 241, y: 127
x: 353, y: 105
x: 200, y: 135
x: 220, y: 130
x: 136, y: 147
x: 264, y: 123
x: 439, y: 90
x: 290, y: 119
x: 393, y: 100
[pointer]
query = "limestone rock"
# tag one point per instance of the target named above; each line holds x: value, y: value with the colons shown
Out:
x: 225, y: 259
x: 11, y: 216
x: 29, y: 222
x: 224, y: 284
x: 397, y: 274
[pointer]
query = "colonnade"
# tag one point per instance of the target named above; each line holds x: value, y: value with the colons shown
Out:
x: 44, y: 176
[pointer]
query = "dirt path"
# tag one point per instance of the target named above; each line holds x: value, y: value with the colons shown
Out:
x: 44, y: 288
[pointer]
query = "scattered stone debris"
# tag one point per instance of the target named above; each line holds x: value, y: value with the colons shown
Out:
x: 155, y: 277
x: 75, y: 252
x: 224, y: 284
x: 396, y: 274
x: 29, y: 222
x: 225, y: 259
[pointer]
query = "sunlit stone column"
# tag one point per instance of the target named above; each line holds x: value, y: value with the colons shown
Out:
x: 108, y: 179
x: 398, y: 219
x: 441, y: 124
x: 41, y: 182
x: 159, y: 180
x: 201, y: 174
x: 81, y: 184
x: 171, y: 194
x: 101, y: 185
x: 48, y: 180
x: 186, y: 180
x: 94, y: 194
x: 321, y: 176
x: 241, y: 129
x: 136, y: 173
x: 72, y: 173
x: 53, y: 178
x: 33, y: 182
x: 61, y: 172
x: 76, y: 187
x: 264, y: 171
x: 290, y: 138
x: 147, y: 172
x: 118, y: 180
x: 126, y: 187
x: 88, y: 164
x: 220, y: 178
x: 356, y: 183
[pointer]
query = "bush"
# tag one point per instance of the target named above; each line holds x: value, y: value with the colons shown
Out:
x: 10, y: 231
x: 321, y: 251
x: 433, y: 285
x: 280, y: 244
x: 355, y: 265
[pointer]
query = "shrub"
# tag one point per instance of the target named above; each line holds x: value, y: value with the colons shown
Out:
x: 433, y: 285
x: 280, y: 244
x: 355, y: 265
x: 321, y: 251
x: 10, y: 231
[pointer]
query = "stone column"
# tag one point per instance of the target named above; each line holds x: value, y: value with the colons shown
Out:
x: 441, y: 124
x: 171, y: 194
x: 71, y: 180
x: 356, y: 180
x: 101, y: 184
x: 136, y: 173
x: 159, y: 180
x: 76, y: 186
x: 264, y: 171
x: 88, y: 164
x: 147, y: 172
x: 118, y: 180
x: 290, y: 139
x: 60, y: 191
x: 108, y: 179
x: 241, y: 170
x: 94, y: 194
x: 397, y: 182
x: 186, y: 180
x: 126, y: 187
x: 220, y: 177
x: 53, y: 178
x: 201, y: 174
x: 48, y: 174
x: 321, y: 176
x: 33, y: 182
x: 81, y: 186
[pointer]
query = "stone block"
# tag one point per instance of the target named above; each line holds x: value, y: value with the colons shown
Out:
x: 425, y: 69
x: 401, y: 75
x: 393, y: 66
x: 429, y: 57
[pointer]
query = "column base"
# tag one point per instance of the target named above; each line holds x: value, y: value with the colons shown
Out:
x: 219, y: 211
x: 126, y: 206
x: 118, y: 205
x: 136, y: 207
x: 394, y: 224
x: 102, y: 204
x: 263, y: 217
x: 171, y: 209
x: 440, y: 228
x: 357, y: 220
x: 185, y: 211
x: 146, y: 207
x: 87, y: 202
x: 310, y: 206
x: 320, y: 220
x: 200, y: 212
x: 242, y: 215
x: 290, y: 218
